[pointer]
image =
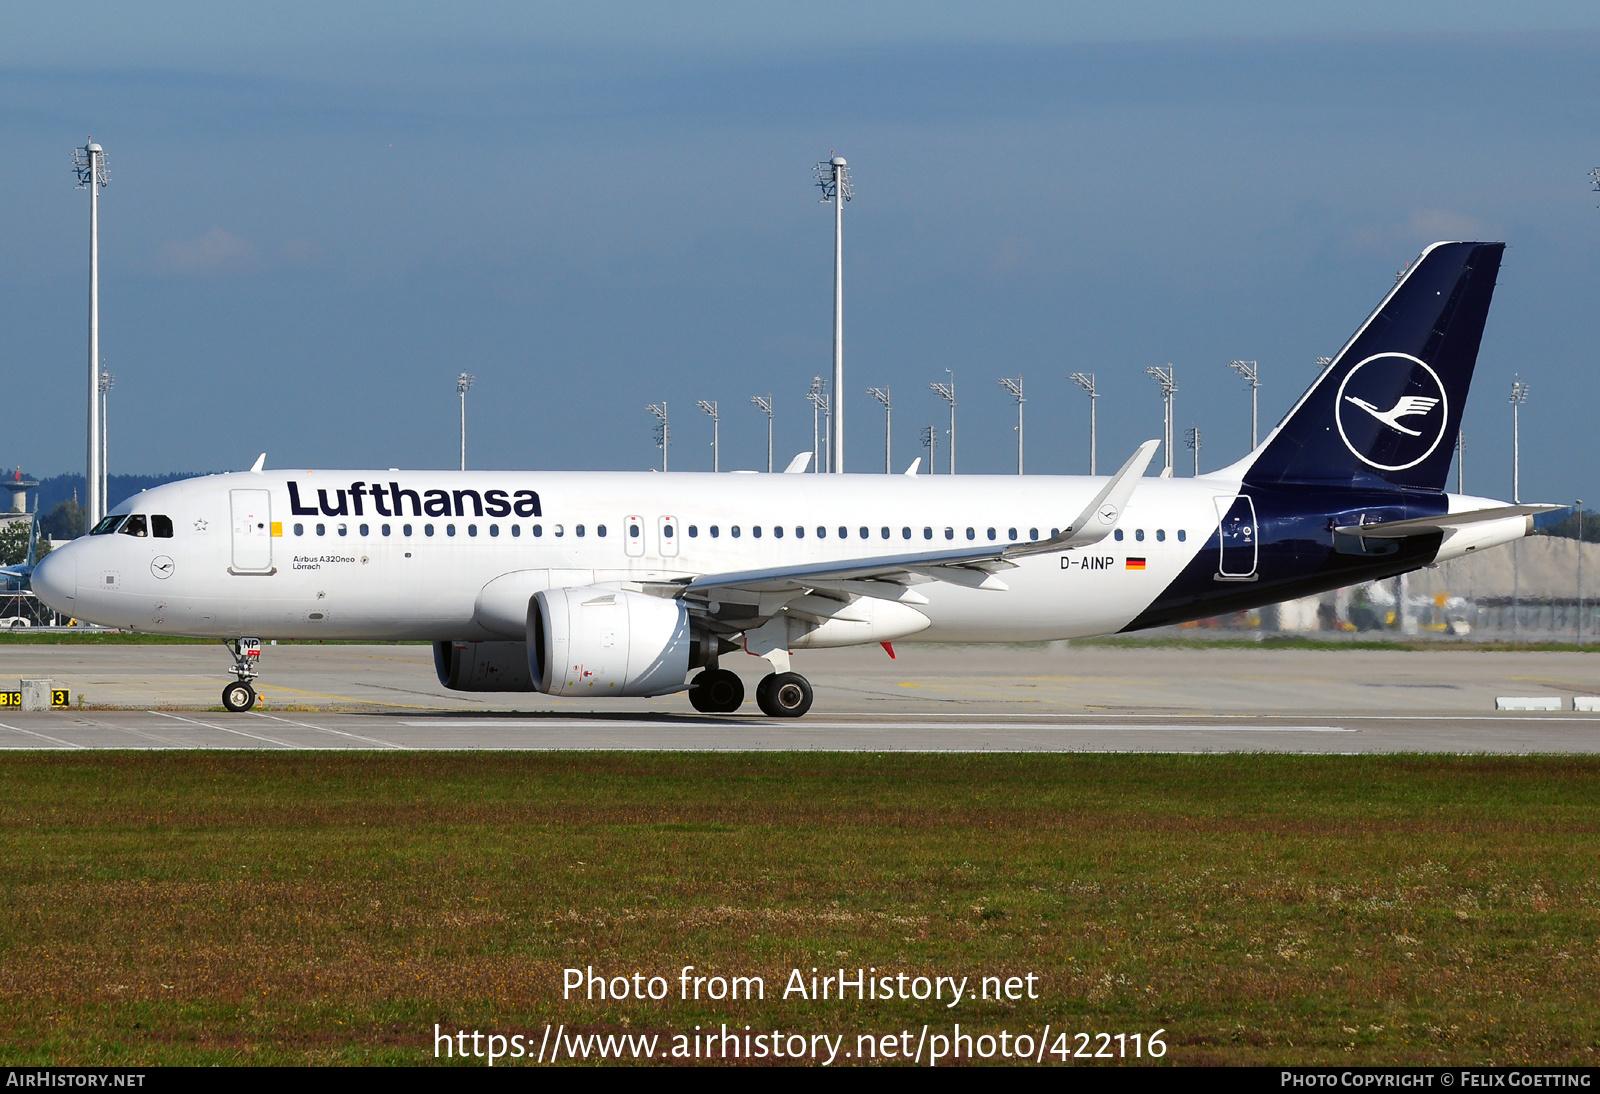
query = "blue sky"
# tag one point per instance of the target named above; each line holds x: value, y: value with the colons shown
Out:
x: 318, y: 217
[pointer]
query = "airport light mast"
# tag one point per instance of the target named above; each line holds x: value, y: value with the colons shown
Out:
x: 882, y: 395
x: 90, y: 164
x: 833, y: 178
x: 1169, y: 388
x: 1015, y: 388
x: 1519, y: 395
x: 463, y: 385
x: 947, y: 392
x: 1085, y: 380
x: 1248, y: 370
x: 765, y: 406
x: 930, y: 441
x: 716, y: 428
x: 663, y: 430
x: 107, y: 382
x: 818, y: 398
x: 1192, y: 438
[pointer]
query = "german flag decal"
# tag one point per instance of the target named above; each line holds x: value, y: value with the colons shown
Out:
x: 1135, y: 563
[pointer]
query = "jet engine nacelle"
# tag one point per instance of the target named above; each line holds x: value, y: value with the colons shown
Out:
x: 598, y: 641
x: 483, y: 666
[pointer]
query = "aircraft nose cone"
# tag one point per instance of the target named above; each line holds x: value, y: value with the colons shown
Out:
x: 55, y: 579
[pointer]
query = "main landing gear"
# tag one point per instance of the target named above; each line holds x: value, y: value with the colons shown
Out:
x: 716, y: 691
x: 783, y: 695
x: 240, y: 696
x: 779, y: 695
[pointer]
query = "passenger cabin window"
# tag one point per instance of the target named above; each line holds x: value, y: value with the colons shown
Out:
x: 1161, y: 535
x: 161, y: 527
x: 715, y: 531
x: 322, y: 529
x: 1117, y: 535
x: 300, y: 529
x: 972, y: 533
x: 1182, y: 535
x: 1011, y: 533
x: 516, y: 530
x: 1138, y: 534
x: 344, y: 529
x: 694, y: 531
x: 365, y: 530
x: 135, y: 526
x: 991, y: 533
x: 494, y: 531
x: 755, y: 530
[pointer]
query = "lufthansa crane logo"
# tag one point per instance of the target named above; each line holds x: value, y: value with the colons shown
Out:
x: 1391, y: 411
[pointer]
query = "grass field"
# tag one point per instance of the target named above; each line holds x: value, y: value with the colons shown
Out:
x: 330, y: 908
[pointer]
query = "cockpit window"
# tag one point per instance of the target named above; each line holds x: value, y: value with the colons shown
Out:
x: 107, y: 525
x: 134, y: 526
x: 161, y: 527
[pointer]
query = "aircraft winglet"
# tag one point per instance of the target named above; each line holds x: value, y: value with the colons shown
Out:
x: 915, y: 464
x: 261, y: 461
x: 1100, y: 515
x: 798, y: 464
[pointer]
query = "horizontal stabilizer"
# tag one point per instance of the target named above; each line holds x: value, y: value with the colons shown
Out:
x: 1420, y: 526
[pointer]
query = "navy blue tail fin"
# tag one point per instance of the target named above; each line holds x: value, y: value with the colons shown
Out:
x: 1385, y: 413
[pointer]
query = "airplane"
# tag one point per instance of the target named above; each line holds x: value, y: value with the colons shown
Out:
x: 623, y: 584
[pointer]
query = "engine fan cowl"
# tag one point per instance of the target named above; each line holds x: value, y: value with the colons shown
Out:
x: 482, y: 666
x: 598, y: 641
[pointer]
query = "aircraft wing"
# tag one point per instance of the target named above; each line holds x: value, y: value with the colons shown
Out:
x: 975, y: 566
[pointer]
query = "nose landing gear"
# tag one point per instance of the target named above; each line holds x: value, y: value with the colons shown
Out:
x: 240, y: 696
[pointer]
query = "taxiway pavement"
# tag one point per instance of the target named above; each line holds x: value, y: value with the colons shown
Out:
x: 1059, y: 697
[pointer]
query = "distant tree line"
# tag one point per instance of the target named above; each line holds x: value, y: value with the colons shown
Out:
x: 60, y: 499
x: 1565, y: 525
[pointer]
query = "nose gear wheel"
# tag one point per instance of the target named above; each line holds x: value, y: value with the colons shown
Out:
x: 238, y: 697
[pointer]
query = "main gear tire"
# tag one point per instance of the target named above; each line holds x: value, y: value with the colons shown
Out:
x: 784, y: 695
x: 716, y: 691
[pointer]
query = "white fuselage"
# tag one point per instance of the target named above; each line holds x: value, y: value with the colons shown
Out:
x: 242, y: 562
